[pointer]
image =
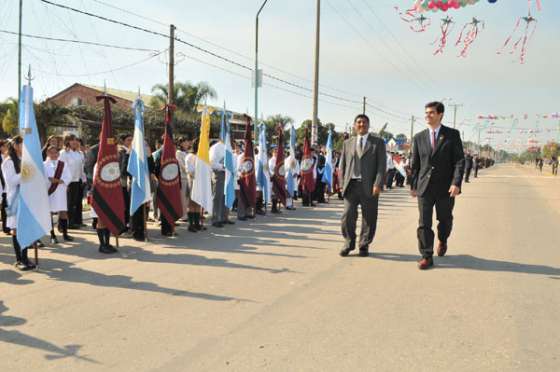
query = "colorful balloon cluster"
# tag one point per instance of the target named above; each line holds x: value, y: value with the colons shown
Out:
x: 444, y: 5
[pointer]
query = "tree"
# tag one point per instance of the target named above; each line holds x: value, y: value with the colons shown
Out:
x: 187, y: 95
x: 551, y: 149
x: 9, y: 123
x: 48, y: 114
x: 271, y: 123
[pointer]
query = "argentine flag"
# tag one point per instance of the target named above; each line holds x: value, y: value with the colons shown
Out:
x: 290, y: 183
x: 33, y: 219
x: 140, y: 192
x: 229, y: 186
x: 328, y: 171
x: 262, y: 165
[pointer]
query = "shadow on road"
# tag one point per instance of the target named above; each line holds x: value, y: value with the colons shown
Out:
x: 19, y: 338
x: 68, y: 272
x: 465, y: 261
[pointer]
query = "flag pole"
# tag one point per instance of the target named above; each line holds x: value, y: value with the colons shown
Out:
x: 145, y: 215
x: 35, y: 245
x: 105, y: 94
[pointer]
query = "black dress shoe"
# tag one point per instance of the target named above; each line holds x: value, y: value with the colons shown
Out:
x: 241, y: 218
x: 192, y: 229
x: 68, y: 238
x: 105, y: 249
x: 218, y: 224
x: 228, y: 222
x: 363, y: 253
x: 345, y: 252
x: 22, y: 267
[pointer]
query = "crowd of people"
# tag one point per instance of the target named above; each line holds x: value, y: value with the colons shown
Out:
x: 69, y: 165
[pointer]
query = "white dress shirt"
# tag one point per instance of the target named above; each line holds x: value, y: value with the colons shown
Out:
x: 363, y: 140
x: 74, y: 160
x: 217, y: 155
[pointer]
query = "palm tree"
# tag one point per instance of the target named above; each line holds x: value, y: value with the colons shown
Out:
x: 187, y: 95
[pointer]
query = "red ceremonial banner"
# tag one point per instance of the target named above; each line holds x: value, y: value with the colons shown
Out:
x: 279, y: 177
x: 169, y: 186
x: 107, y: 196
x: 247, y: 181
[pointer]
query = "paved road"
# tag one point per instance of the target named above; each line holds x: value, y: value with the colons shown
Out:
x: 273, y: 295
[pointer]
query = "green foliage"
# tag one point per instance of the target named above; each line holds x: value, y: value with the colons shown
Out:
x: 551, y: 149
x: 9, y: 123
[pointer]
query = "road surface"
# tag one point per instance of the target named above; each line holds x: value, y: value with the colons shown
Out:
x: 273, y: 294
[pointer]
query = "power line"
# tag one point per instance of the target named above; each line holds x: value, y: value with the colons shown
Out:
x: 229, y: 50
x: 206, y: 51
x: 367, y: 42
x: 203, y: 50
x: 107, y: 71
x: 78, y: 42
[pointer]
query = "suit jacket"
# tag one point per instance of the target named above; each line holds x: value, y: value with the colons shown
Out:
x: 468, y: 161
x: 373, y: 163
x: 437, y: 170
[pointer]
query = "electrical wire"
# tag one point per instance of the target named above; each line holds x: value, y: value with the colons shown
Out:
x: 31, y: 36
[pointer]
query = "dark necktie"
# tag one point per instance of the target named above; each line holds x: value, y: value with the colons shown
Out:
x: 434, y: 141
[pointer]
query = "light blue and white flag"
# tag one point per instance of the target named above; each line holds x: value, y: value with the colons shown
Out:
x: 33, y: 217
x: 229, y: 164
x: 137, y: 167
x: 290, y: 182
x: 328, y: 171
x: 263, y: 174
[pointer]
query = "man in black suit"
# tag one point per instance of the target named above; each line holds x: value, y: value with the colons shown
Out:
x: 468, y: 166
x: 362, y: 166
x: 438, y: 165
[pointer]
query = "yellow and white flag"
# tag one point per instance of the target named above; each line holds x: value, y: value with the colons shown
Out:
x: 202, y: 183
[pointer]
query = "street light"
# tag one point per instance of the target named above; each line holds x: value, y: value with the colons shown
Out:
x: 256, y: 77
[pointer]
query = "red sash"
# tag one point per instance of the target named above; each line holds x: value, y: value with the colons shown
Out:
x: 57, y: 175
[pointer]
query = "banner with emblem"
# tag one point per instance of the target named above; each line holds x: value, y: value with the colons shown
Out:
x: 279, y: 176
x: 307, y: 177
x: 247, y: 181
x: 169, y: 183
x: 107, y: 196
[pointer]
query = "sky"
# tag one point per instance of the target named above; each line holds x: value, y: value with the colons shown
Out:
x: 366, y: 50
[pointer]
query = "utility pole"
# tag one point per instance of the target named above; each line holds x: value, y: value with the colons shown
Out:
x: 19, y: 50
x: 171, y: 86
x: 455, y: 107
x: 315, y: 122
x: 257, y: 78
x: 412, y: 121
x: 364, y: 110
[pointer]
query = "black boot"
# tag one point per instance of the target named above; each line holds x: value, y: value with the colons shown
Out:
x: 191, y: 218
x: 197, y: 222
x: 54, y: 240
x: 17, y: 249
x: 275, y: 209
x: 102, y: 245
x: 64, y: 225
x: 107, y: 234
x: 25, y: 259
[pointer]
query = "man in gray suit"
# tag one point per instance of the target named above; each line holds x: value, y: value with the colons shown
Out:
x: 362, y: 166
